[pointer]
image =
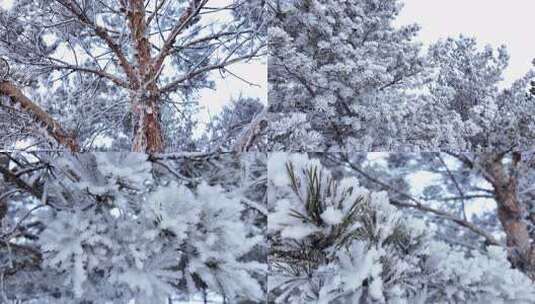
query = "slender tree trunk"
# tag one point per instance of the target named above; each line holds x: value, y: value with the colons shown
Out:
x: 250, y: 135
x: 148, y: 136
x: 4, y: 162
x: 511, y: 214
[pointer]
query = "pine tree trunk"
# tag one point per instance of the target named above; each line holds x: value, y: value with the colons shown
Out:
x: 511, y: 215
x: 148, y: 135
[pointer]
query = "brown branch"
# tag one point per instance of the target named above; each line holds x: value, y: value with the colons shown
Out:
x: 174, y: 84
x: 420, y: 206
x: 464, y: 223
x: 191, y: 12
x: 11, y: 177
x: 100, y: 73
x: 211, y: 37
x: 155, y: 12
x: 465, y: 197
x: 455, y: 183
x: 102, y: 33
x: 33, y: 257
x: 52, y: 127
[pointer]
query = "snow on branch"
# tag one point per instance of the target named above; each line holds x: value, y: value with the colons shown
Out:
x: 44, y: 122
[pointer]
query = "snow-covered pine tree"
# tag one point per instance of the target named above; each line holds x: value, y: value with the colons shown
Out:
x: 334, y: 241
x: 483, y: 115
x: 339, y: 74
x: 344, y: 77
x: 241, y: 126
x: 117, y: 227
x: 131, y: 69
x: 472, y: 199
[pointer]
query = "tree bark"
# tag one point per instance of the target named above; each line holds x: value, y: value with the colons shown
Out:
x: 49, y: 124
x: 250, y: 135
x: 148, y: 135
x: 511, y: 213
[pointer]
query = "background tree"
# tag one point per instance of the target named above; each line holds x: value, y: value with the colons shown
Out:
x: 339, y: 73
x: 468, y: 84
x: 239, y: 127
x: 122, y: 69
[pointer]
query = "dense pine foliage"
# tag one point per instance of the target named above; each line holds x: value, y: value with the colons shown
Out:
x: 117, y: 227
x: 344, y: 78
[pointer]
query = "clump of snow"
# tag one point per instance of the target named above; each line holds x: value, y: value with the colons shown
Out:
x: 332, y: 216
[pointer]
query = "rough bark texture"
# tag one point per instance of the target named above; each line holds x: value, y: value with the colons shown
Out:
x: 511, y: 213
x: 52, y: 127
x: 4, y: 162
x: 148, y: 136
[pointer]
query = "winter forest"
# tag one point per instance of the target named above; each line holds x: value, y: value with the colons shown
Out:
x: 263, y: 151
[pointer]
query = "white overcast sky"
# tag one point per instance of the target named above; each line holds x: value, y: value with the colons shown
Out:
x: 495, y: 22
x: 6, y: 4
x: 229, y: 87
x: 421, y: 179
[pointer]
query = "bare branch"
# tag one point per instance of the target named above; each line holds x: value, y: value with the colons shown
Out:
x: 100, y: 73
x: 103, y: 34
x: 191, y: 12
x: 457, y: 186
x: 176, y: 83
x: 464, y: 223
x: 417, y: 204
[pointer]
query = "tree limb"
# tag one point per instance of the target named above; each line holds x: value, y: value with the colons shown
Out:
x: 191, y: 12
x: 51, y: 126
x: 420, y: 206
x: 174, y: 84
x: 103, y: 34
